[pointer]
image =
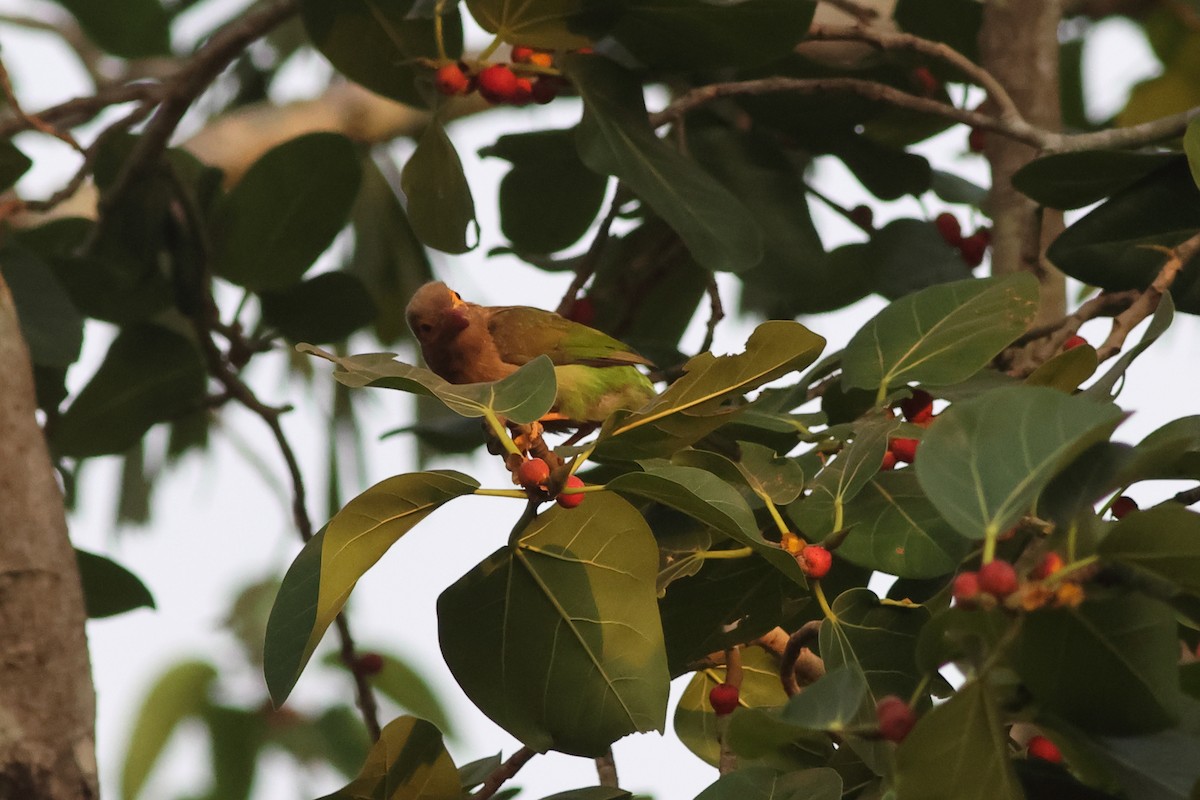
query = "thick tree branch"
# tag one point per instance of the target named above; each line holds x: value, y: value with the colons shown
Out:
x: 47, y: 739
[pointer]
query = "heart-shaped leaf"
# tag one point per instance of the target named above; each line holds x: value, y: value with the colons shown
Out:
x: 556, y: 636
x: 409, y: 762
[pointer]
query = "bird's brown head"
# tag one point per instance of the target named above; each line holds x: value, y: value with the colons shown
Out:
x: 436, y: 313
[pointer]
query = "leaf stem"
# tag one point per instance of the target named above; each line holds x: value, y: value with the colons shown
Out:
x: 527, y: 516
x: 491, y: 48
x: 775, y: 515
x: 738, y: 552
x: 437, y: 30
x: 514, y: 493
x: 819, y: 593
x: 500, y: 431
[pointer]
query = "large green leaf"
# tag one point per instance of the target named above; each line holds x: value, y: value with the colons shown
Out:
x: 822, y: 511
x: 522, y: 397
x: 684, y: 34
x: 1108, y: 666
x: 1114, y: 245
x: 699, y: 728
x: 958, y: 750
x: 548, y: 23
x: 679, y: 415
x: 878, y: 638
x: 696, y: 492
x: 409, y: 762
x: 109, y: 588
x: 1167, y: 453
x: 940, y: 335
x: 377, y: 42
x: 50, y: 323
x: 986, y: 460
x: 894, y: 528
x: 615, y: 138
x: 1075, y: 180
x: 440, y: 206
x: 322, y: 576
x: 13, y: 164
x: 125, y: 28
x: 286, y: 210
x: 150, y: 374
x: 1164, y: 541
x: 180, y: 693
x: 548, y: 199
x: 764, y: 783
x: 326, y: 308
x: 556, y: 637
x: 831, y: 704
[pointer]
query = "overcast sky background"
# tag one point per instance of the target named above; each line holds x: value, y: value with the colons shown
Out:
x: 218, y: 523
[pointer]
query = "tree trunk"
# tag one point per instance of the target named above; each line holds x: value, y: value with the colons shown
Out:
x: 1018, y: 44
x: 47, y: 704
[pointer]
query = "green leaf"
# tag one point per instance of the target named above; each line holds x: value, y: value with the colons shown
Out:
x: 1191, y: 146
x: 907, y: 256
x: 1164, y: 541
x: 764, y: 783
x: 409, y: 762
x: 894, y: 528
x: 179, y: 693
x: 125, y: 28
x: 13, y: 164
x: 149, y: 375
x: 1067, y: 370
x: 960, y: 750
x: 440, y: 206
x: 590, y: 793
x: 522, y: 397
x: 108, y: 588
x: 548, y: 199
x: 680, y: 414
x: 986, y: 460
x: 377, y: 43
x: 322, y: 576
x: 614, y: 138
x: 698, y: 727
x: 955, y: 22
x: 940, y: 335
x: 833, y: 703
x: 696, y: 492
x: 956, y: 189
x: 1114, y: 245
x: 399, y: 682
x: 286, y: 210
x: 236, y: 737
x: 548, y: 23
x: 683, y: 34
x: 1169, y: 452
x: 1075, y: 180
x: 821, y: 512
x: 556, y: 637
x: 1109, y: 666
x: 879, y: 639
x: 325, y: 308
x: 777, y: 477
x: 50, y: 324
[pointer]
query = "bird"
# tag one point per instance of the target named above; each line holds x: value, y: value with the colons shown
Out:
x: 463, y: 342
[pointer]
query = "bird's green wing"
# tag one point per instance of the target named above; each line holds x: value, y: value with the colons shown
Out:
x: 522, y: 334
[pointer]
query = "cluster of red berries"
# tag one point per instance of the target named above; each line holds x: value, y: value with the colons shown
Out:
x: 518, y: 83
x: 972, y: 248
x: 998, y: 582
x: 917, y: 409
x: 815, y: 561
x: 534, y: 473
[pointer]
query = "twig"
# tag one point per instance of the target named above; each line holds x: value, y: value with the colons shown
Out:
x: 205, y: 319
x: 871, y: 90
x: 1147, y: 301
x: 888, y: 40
x: 606, y: 770
x: 32, y: 121
x: 798, y: 642
x: 504, y: 772
x: 1188, y: 496
x: 587, y: 264
x: 715, y: 315
x: 181, y: 90
x: 839, y: 208
x: 1038, y: 345
x: 80, y: 110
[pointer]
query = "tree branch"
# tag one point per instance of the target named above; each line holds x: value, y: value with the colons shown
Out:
x: 504, y: 772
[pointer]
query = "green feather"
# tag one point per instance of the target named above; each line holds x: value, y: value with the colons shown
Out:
x: 592, y: 393
x: 522, y: 334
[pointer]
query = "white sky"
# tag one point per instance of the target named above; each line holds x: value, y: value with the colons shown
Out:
x: 219, y: 524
